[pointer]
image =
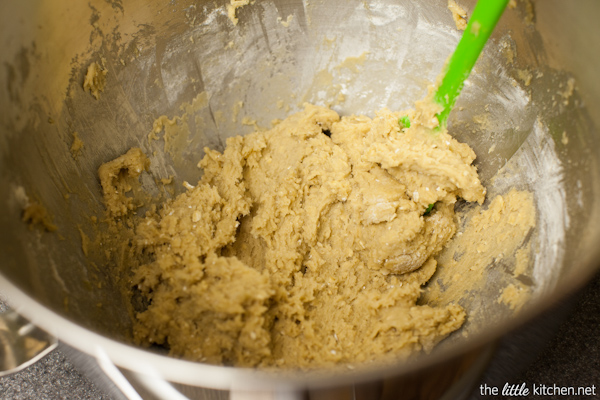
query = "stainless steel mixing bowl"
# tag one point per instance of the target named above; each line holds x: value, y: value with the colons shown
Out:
x: 536, y: 83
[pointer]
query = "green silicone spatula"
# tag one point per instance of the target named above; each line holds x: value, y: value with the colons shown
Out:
x: 484, y: 18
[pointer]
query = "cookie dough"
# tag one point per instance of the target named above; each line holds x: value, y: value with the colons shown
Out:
x: 95, y: 80
x: 458, y: 14
x: 232, y: 9
x: 76, y: 146
x: 302, y: 246
x: 35, y: 214
x: 117, y: 178
x: 490, y: 253
x: 514, y: 296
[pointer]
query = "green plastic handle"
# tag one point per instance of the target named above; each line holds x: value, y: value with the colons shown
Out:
x: 481, y: 24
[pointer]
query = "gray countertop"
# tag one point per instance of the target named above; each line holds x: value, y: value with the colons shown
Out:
x: 571, y: 358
